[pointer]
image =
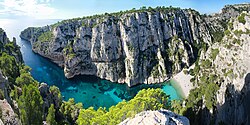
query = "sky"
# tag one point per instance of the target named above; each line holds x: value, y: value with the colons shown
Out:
x: 64, y: 9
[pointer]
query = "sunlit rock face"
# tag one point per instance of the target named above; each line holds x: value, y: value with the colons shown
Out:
x: 231, y: 66
x: 160, y: 117
x: 131, y: 47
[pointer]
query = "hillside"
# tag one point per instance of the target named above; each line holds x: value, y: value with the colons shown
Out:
x: 152, y: 45
x: 221, y: 75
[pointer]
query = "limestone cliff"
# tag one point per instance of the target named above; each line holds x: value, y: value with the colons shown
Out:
x: 136, y: 46
x: 8, y: 114
x: 233, y: 65
x: 10, y: 47
x: 225, y: 64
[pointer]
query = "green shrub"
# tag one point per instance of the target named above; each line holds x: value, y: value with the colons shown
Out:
x: 70, y: 110
x: 150, y: 99
x: 185, y: 71
x: 241, y: 18
x: 191, y: 72
x: 236, y: 41
x: 196, y: 69
x: 1, y: 113
x: 227, y: 32
x: 9, y: 67
x: 69, y: 51
x: 72, y: 55
x: 177, y: 107
x: 238, y: 32
x: 155, y: 72
x: 50, y: 119
x: 230, y: 25
x: 229, y: 72
x: 25, y: 79
x: 46, y: 36
x: 83, y: 24
x: 1, y: 94
x: 206, y: 63
x: 56, y: 92
x: 214, y: 53
x: 30, y: 105
x: 181, y: 51
x: 210, y: 92
x: 248, y: 31
x: 192, y: 79
x: 229, y: 45
x: 10, y: 47
x: 217, y: 36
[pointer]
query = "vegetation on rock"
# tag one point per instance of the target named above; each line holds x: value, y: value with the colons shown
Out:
x: 9, y: 66
x: 69, y: 51
x: 241, y: 18
x: 70, y: 110
x: 30, y: 105
x: 51, y: 119
x: 150, y: 99
x: 46, y: 36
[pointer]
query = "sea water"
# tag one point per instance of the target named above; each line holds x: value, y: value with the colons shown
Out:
x: 89, y: 90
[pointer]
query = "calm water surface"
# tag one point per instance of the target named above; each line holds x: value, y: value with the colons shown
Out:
x: 89, y: 90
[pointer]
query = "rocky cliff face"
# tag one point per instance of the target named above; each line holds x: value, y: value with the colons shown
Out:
x: 8, y: 116
x: 161, y: 117
x: 132, y: 47
x: 233, y: 63
x: 7, y: 105
x: 226, y: 63
x: 13, y: 49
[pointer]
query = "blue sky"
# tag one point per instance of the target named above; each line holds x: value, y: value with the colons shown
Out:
x: 63, y: 9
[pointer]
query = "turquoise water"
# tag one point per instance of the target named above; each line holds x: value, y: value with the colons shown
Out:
x: 89, y: 90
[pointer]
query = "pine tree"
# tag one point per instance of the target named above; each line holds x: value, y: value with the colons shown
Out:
x: 30, y: 105
x: 50, y: 119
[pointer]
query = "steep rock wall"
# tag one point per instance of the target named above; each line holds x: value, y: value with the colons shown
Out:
x: 133, y: 47
x: 7, y: 105
x: 226, y: 64
x: 234, y: 62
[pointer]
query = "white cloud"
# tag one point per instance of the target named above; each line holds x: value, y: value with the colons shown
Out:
x: 31, y: 8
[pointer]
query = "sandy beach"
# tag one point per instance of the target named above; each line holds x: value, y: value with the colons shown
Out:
x: 183, y: 83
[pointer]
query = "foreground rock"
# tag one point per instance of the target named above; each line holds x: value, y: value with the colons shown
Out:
x: 8, y: 115
x: 161, y: 117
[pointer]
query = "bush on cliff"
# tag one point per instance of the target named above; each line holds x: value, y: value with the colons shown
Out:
x: 150, y: 99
